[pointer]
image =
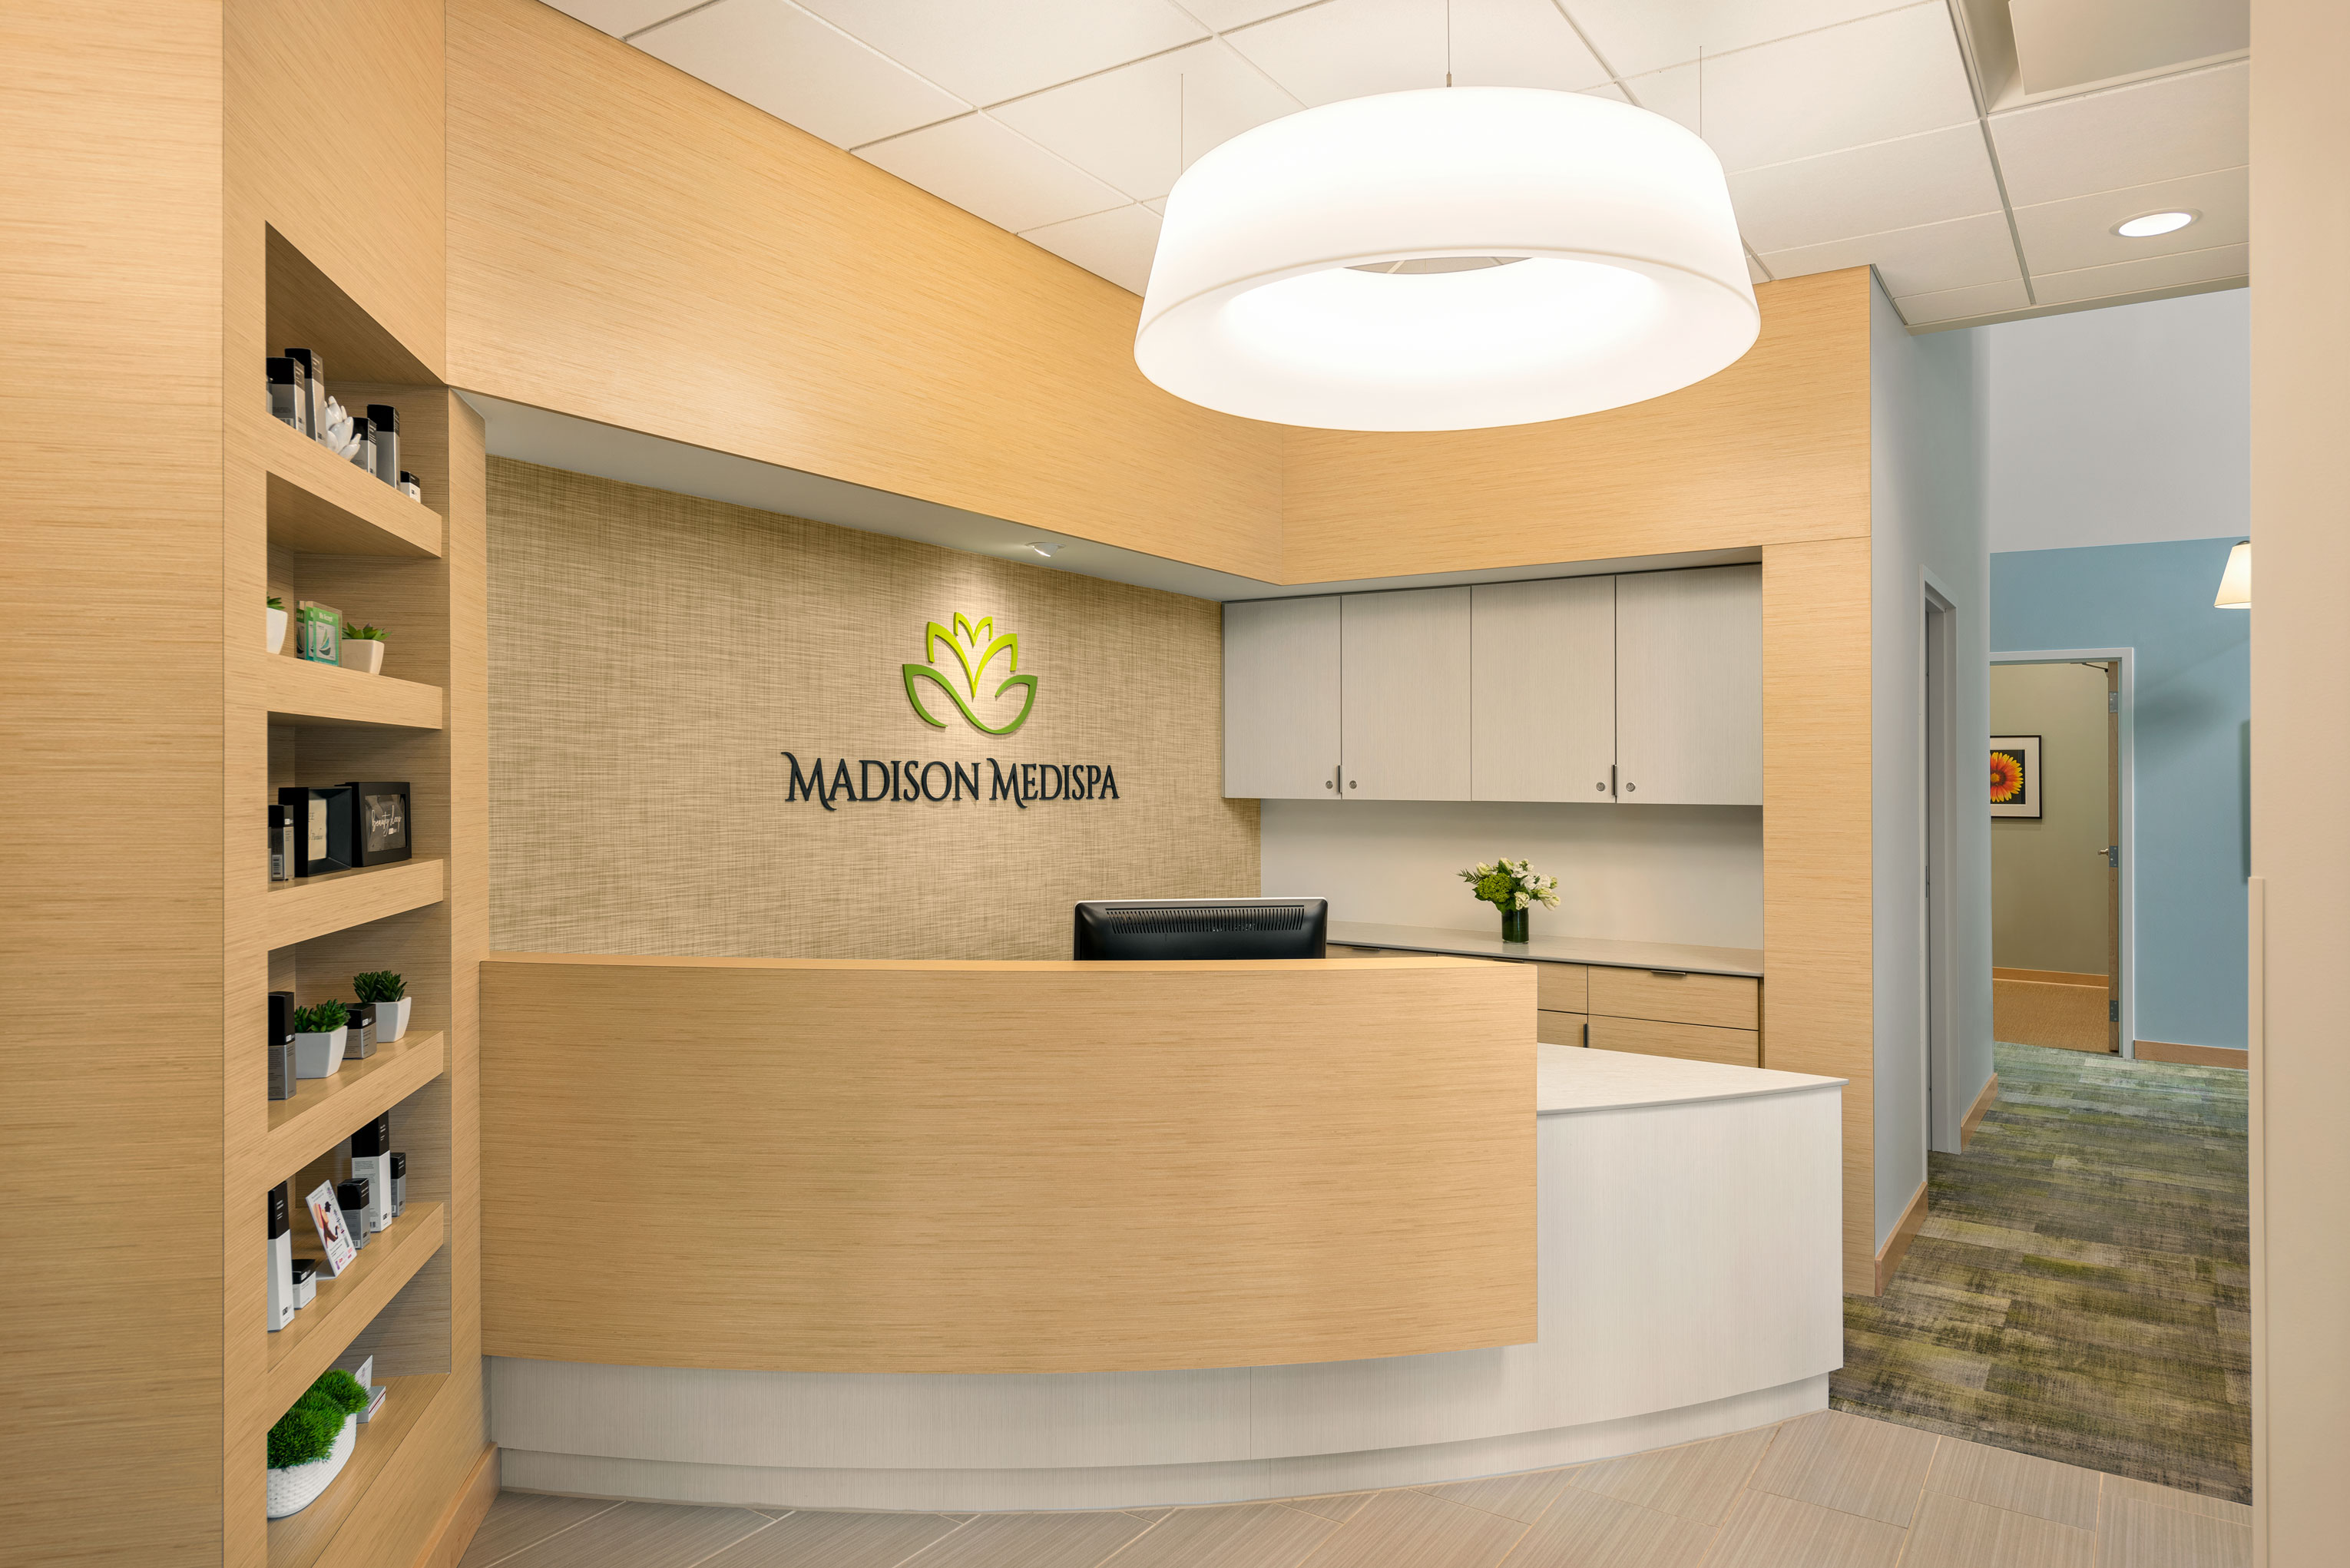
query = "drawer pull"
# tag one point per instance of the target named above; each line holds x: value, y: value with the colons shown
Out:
x: 1669, y: 973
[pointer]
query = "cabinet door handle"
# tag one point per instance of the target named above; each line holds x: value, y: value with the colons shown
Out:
x: 1669, y: 973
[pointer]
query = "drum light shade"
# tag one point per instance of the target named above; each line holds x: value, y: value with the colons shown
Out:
x: 2236, y: 580
x: 1559, y: 254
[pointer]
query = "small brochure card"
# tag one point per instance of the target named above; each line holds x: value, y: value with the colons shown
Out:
x: 328, y: 1215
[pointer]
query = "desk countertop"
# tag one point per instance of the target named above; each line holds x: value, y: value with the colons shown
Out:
x: 1543, y: 949
x: 1568, y: 1078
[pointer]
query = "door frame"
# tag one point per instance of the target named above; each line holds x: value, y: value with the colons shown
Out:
x: 1945, y: 1109
x: 2126, y: 829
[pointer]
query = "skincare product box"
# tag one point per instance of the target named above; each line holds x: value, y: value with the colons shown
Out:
x: 363, y: 431
x: 306, y: 1282
x: 314, y: 391
x: 385, y: 420
x: 371, y: 1163
x: 411, y: 487
x: 318, y: 632
x: 374, y: 1404
x: 289, y: 397
x: 351, y: 1197
x: 281, y: 1260
x: 361, y: 1044
x: 399, y: 1184
x: 281, y: 1045
x: 281, y: 844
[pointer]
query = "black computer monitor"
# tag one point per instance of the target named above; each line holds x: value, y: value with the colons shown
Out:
x: 1203, y: 929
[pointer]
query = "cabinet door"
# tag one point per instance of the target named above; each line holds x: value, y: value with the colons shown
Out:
x: 1543, y: 684
x: 1407, y: 695
x: 1281, y: 699
x: 1688, y: 686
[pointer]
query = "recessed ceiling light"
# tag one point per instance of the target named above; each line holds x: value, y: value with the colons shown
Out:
x: 1045, y: 547
x: 2145, y: 225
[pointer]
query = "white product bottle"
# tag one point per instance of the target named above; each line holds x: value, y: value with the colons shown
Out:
x: 281, y: 1260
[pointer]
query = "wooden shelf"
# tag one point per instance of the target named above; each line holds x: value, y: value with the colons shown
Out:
x: 324, y: 1111
x: 324, y: 1329
x: 313, y: 906
x: 302, y: 692
x: 321, y: 505
x: 299, y: 1540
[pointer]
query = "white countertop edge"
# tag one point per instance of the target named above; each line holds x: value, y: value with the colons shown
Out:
x: 1695, y: 1099
x: 1604, y: 952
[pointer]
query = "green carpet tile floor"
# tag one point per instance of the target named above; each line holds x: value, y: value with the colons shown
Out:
x: 2079, y: 1290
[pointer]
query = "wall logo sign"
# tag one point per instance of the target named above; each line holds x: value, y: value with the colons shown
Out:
x: 979, y: 689
x: 975, y: 647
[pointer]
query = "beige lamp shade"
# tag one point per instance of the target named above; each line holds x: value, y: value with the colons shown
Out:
x: 2235, y: 582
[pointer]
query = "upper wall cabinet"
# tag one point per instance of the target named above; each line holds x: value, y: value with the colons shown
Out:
x: 1406, y: 731
x: 1645, y: 690
x: 1281, y: 699
x: 1688, y: 686
x: 1542, y: 689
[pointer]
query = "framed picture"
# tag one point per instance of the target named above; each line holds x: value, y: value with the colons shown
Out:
x: 2015, y: 775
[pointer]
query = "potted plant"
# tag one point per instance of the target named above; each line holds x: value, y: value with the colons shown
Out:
x: 1511, y: 887
x: 390, y: 994
x: 319, y: 1035
x: 312, y: 1442
x: 276, y: 624
x: 362, y: 649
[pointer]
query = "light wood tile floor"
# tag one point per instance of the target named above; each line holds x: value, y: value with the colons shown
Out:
x: 1824, y: 1490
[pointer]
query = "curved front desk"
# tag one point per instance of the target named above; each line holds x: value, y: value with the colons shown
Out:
x: 891, y: 1235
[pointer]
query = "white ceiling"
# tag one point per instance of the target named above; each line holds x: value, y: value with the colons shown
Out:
x: 1854, y: 132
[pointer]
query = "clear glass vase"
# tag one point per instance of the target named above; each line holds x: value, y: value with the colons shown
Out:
x: 1515, y: 925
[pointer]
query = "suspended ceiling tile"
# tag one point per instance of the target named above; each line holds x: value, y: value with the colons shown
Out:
x: 2177, y: 271
x: 1962, y: 304
x: 1116, y: 244
x: 1872, y: 81
x: 1923, y: 259
x: 990, y: 50
x: 1158, y: 204
x: 2064, y: 236
x: 1609, y: 90
x: 1225, y: 14
x: 2134, y: 135
x: 1351, y: 49
x: 1120, y: 126
x: 1899, y: 184
x: 1636, y: 36
x: 993, y: 171
x: 621, y: 17
x: 774, y: 55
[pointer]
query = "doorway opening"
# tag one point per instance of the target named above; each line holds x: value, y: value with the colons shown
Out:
x: 2062, y: 937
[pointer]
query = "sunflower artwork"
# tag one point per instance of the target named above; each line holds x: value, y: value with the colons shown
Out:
x: 2015, y: 786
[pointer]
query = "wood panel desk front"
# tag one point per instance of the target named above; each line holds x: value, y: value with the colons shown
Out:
x: 882, y: 1166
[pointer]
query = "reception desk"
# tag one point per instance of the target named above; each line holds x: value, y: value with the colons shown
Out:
x: 1262, y: 1229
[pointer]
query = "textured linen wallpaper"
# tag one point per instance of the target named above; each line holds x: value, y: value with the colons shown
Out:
x: 653, y: 655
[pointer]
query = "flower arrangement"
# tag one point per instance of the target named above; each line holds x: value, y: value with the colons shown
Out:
x: 1513, y: 888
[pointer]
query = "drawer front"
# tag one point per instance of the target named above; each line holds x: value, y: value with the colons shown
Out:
x: 1692, y: 1042
x: 1561, y: 986
x: 1717, y: 1000
x: 1558, y: 1028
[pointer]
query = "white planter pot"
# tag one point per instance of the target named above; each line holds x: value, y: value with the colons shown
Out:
x: 392, y: 1020
x: 276, y: 631
x: 364, y: 654
x: 297, y: 1486
x: 317, y: 1056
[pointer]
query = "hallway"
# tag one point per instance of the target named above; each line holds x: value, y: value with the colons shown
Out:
x: 2079, y: 1290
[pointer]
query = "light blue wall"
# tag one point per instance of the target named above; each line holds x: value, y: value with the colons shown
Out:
x: 2193, y: 714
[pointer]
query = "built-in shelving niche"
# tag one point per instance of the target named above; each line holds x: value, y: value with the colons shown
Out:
x: 339, y: 536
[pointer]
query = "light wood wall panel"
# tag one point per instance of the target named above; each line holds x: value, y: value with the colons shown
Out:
x: 1817, y: 938
x: 111, y: 1398
x: 656, y: 654
x: 631, y: 246
x: 1055, y: 1167
x: 1774, y: 448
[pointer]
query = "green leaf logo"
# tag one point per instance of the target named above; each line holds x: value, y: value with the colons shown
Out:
x: 974, y: 645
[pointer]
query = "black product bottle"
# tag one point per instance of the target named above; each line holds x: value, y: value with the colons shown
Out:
x: 281, y: 1044
x: 351, y: 1197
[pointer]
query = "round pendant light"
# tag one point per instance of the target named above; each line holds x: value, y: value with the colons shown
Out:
x: 1452, y: 259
